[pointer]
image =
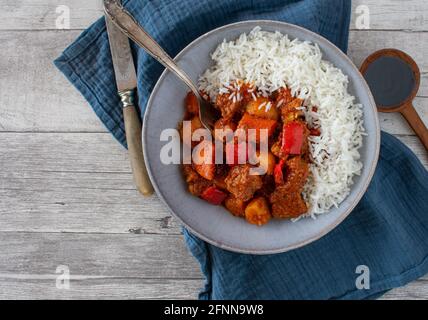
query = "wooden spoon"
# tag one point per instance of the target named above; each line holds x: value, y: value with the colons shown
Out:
x: 394, y: 79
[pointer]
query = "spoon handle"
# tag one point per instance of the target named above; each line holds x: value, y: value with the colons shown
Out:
x: 128, y: 25
x: 416, y: 123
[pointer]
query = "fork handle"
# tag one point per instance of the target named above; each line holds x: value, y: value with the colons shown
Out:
x: 134, y: 141
x: 129, y: 26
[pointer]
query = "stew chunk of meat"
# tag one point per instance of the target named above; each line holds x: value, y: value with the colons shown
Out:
x: 286, y: 200
x: 195, y: 182
x: 228, y: 107
x: 287, y: 205
x: 290, y: 111
x: 297, y: 173
x: 241, y: 183
x: 283, y: 96
x: 235, y: 206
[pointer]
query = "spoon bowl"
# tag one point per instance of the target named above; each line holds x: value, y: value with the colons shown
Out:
x: 394, y: 79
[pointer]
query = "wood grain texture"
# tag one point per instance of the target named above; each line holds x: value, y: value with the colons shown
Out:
x: 104, y: 288
x: 416, y: 290
x: 42, y: 14
x: 97, y: 255
x: 34, y: 95
x: 409, y: 15
x: 137, y: 288
x: 365, y: 42
x: 66, y: 189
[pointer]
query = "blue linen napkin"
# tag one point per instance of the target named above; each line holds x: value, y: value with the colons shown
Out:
x: 387, y: 232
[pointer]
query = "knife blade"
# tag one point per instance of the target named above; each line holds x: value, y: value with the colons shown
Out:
x: 123, y: 64
x: 126, y: 81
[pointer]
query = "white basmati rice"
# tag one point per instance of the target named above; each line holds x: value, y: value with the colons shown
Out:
x: 270, y: 60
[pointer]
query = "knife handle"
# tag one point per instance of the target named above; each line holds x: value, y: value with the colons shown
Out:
x: 134, y: 141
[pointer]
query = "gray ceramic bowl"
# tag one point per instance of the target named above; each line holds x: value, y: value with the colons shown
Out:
x: 213, y: 223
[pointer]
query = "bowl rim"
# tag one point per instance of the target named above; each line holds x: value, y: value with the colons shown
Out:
x: 336, y: 222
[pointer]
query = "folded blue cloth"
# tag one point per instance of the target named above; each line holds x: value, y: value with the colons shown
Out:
x: 386, y: 235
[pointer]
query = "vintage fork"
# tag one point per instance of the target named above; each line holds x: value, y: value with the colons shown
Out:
x: 129, y: 26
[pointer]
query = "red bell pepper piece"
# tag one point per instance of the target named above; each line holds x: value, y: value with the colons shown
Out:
x: 213, y: 195
x: 278, y: 172
x: 292, y: 138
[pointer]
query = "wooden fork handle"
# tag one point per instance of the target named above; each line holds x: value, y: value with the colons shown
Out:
x: 135, y: 149
x: 416, y: 123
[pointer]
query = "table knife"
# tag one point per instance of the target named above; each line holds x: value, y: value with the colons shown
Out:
x: 126, y: 81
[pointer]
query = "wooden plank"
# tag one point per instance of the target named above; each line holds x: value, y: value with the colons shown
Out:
x: 84, y: 186
x: 65, y: 209
x: 62, y: 152
x: 73, y: 189
x: 42, y: 15
x: 416, y: 290
x: 35, y: 95
x: 50, y: 103
x: 110, y: 288
x: 137, y: 288
x: 107, y: 266
x: 97, y: 255
x: 393, y: 14
x: 123, y: 288
x: 88, y: 210
x: 363, y: 43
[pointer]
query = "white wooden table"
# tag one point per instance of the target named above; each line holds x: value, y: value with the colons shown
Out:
x: 66, y: 191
